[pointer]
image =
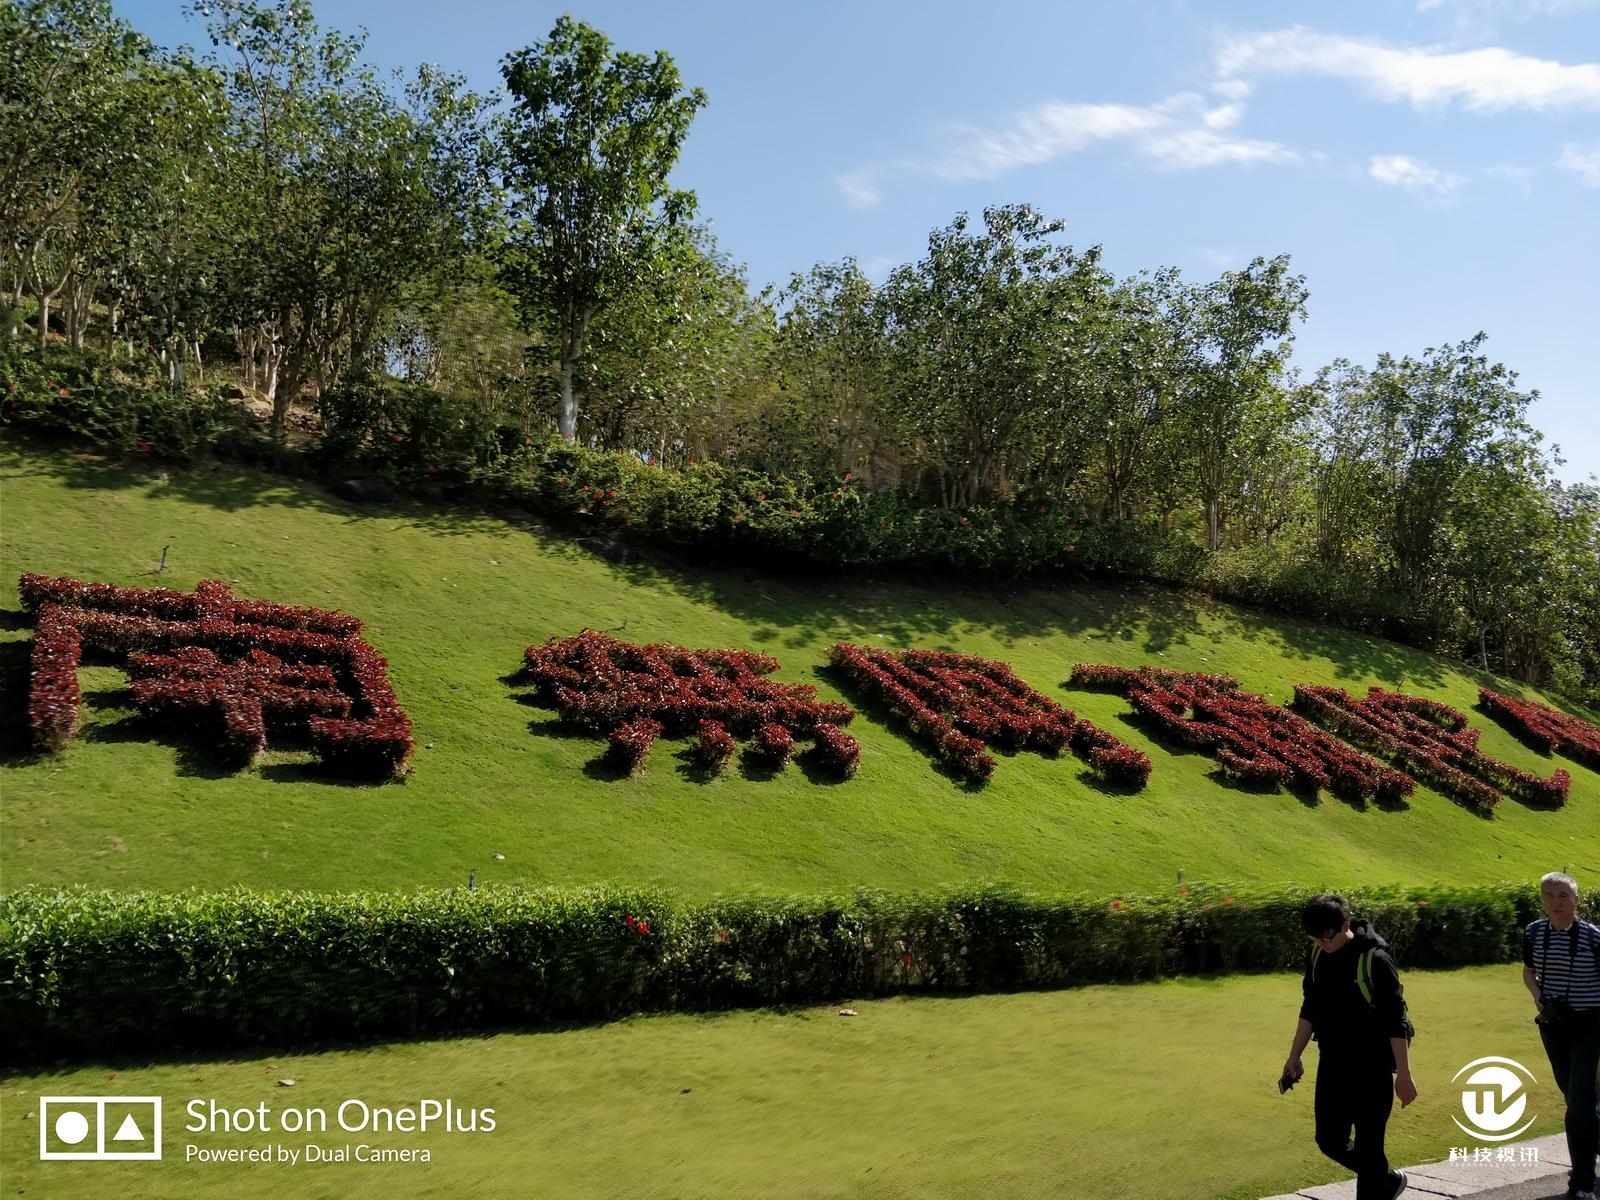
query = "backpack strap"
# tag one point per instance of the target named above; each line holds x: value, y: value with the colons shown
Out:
x: 1364, y: 974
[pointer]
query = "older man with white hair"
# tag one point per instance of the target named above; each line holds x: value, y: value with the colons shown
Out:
x: 1561, y: 968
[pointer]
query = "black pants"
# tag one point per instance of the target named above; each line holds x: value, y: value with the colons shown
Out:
x: 1573, y: 1047
x: 1356, y: 1091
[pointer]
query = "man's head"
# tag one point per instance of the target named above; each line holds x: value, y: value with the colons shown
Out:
x: 1559, y: 895
x: 1325, y: 918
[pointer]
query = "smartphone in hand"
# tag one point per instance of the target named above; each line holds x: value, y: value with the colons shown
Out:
x: 1285, y: 1083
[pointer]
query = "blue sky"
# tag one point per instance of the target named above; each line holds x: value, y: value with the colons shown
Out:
x: 1432, y: 166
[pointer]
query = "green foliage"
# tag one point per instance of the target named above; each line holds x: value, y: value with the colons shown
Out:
x: 405, y: 429
x: 584, y: 155
x: 66, y: 392
x: 86, y: 972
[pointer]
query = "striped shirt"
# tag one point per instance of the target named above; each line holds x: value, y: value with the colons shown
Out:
x: 1567, y: 960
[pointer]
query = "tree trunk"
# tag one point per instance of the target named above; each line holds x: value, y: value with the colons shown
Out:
x: 1213, y: 524
x: 44, y: 319
x: 567, y: 423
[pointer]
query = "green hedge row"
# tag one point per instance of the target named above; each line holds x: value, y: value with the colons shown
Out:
x: 89, y: 973
x: 419, y: 441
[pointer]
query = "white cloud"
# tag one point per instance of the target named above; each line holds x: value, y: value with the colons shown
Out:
x: 860, y: 188
x: 1220, y: 260
x: 1413, y: 175
x: 1180, y: 133
x: 1486, y: 80
x: 1513, y: 8
x: 1584, y: 161
x: 1520, y: 178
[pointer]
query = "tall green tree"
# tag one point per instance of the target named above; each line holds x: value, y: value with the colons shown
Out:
x: 585, y: 152
x: 1241, y: 326
x: 77, y: 103
x: 832, y: 363
x: 977, y: 333
x: 348, y: 190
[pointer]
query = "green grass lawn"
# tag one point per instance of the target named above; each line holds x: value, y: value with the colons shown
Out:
x: 1157, y: 1090
x: 451, y: 599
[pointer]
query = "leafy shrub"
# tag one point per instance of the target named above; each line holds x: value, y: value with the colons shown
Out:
x: 603, y: 685
x: 240, y: 668
x: 774, y: 744
x: 957, y: 701
x: 94, y: 972
x: 837, y: 750
x: 631, y: 741
x: 716, y: 745
x: 1253, y: 741
x: 1430, y: 740
x: 1543, y: 728
x: 406, y: 430
x: 65, y: 391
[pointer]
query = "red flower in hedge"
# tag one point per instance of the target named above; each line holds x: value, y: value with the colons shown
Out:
x: 763, y: 496
x: 722, y: 935
x: 905, y: 960
x: 1069, y: 549
x: 395, y: 437
x: 1182, y: 890
x: 612, y: 492
x: 527, y: 440
x: 1116, y: 904
x: 432, y: 470
x: 64, y: 392
x: 794, y: 512
x: 1227, y: 899
x: 144, y: 447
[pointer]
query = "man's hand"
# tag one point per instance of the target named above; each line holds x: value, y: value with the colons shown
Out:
x: 1405, y: 1088
x: 1292, y: 1068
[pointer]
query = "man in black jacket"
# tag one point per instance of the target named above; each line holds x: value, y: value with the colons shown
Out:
x: 1354, y: 1006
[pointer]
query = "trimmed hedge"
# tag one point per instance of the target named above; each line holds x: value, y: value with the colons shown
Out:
x: 94, y: 973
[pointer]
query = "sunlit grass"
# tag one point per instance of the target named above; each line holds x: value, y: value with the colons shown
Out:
x: 451, y: 599
x: 1158, y: 1090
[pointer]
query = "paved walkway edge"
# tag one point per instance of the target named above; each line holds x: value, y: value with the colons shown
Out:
x: 1429, y: 1181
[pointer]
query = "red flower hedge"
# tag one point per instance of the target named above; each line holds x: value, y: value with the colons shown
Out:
x: 958, y: 703
x: 1543, y: 728
x: 1252, y: 740
x: 775, y: 744
x: 598, y: 683
x: 632, y: 740
x: 837, y: 750
x: 243, y: 671
x: 1431, y: 741
x: 717, y: 744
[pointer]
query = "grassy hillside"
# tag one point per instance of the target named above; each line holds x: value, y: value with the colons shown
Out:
x: 1034, y: 1094
x: 451, y: 599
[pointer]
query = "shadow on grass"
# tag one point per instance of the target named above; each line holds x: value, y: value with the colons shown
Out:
x: 814, y: 766
x: 16, y: 738
x: 605, y: 769
x: 690, y: 767
x: 755, y: 766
